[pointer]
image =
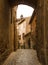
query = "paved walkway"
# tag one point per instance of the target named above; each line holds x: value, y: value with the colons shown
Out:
x: 23, y: 57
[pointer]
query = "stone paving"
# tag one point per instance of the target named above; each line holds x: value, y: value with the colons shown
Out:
x: 23, y: 57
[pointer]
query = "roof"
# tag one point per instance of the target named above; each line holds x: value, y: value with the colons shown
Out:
x: 27, y: 34
x: 21, y: 21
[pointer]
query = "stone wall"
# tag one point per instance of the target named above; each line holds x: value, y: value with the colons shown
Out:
x: 46, y: 30
x: 13, y: 29
x: 33, y: 31
x: 8, y: 32
x: 4, y: 30
x: 26, y: 38
x: 41, y: 31
x: 15, y: 37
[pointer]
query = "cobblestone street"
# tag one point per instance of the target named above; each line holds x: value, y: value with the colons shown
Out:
x: 23, y: 57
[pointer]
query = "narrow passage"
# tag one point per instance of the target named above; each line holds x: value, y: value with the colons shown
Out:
x: 23, y: 57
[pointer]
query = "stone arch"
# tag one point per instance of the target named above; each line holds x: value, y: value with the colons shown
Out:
x: 40, y: 24
x: 31, y: 3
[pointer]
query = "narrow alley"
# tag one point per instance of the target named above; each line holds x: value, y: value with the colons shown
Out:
x: 23, y: 32
x: 23, y: 57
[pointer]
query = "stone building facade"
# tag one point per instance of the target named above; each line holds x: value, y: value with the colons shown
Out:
x: 7, y: 18
x: 41, y: 31
x: 4, y: 30
x: 24, y: 28
x: 33, y: 29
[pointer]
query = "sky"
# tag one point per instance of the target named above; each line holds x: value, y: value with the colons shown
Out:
x: 24, y: 10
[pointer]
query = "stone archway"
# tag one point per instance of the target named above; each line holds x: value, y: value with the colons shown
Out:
x: 14, y: 3
x: 27, y: 2
x: 41, y: 27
